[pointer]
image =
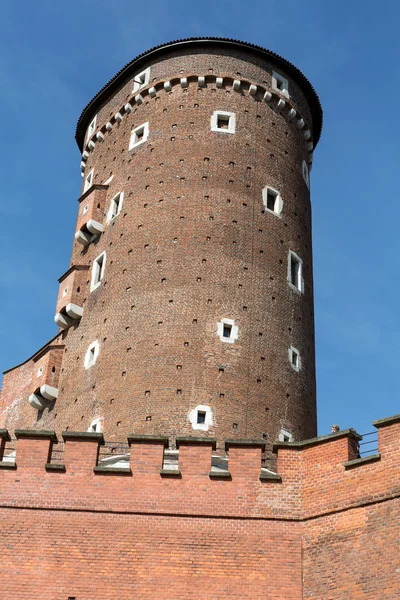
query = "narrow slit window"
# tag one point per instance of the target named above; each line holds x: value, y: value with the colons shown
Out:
x: 201, y: 417
x: 91, y: 128
x: 88, y: 181
x: 306, y: 173
x: 227, y: 330
x: 295, y: 268
x: 98, y: 271
x: 91, y: 355
x: 294, y: 358
x: 115, y: 205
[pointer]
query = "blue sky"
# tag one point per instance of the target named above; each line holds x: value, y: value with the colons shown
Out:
x: 54, y: 56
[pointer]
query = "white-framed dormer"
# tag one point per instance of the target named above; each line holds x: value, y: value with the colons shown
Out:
x: 139, y: 135
x: 201, y: 417
x: 227, y: 330
x: 295, y: 272
x: 99, y: 265
x: 272, y: 200
x: 88, y: 181
x: 223, y: 122
x: 115, y: 206
x: 294, y: 358
x: 91, y: 129
x: 91, y: 354
x: 285, y: 436
x: 280, y: 83
x: 306, y: 173
x: 96, y: 425
x: 141, y: 80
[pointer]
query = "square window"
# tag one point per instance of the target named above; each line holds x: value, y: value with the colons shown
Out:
x: 223, y: 121
x: 285, y: 436
x: 88, y: 181
x: 139, y: 135
x: 295, y: 268
x: 280, y: 83
x: 227, y: 330
x: 141, y: 79
x: 98, y: 271
x: 201, y: 417
x: 115, y: 206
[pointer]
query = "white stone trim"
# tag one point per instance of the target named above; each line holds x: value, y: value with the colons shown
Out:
x: 278, y: 206
x: 96, y: 425
x: 98, y: 271
x: 120, y: 197
x: 202, y: 408
x: 305, y: 173
x: 300, y: 285
x: 234, y: 331
x: 92, y: 128
x: 48, y: 392
x: 143, y: 77
x: 297, y: 364
x: 284, y: 434
x: 280, y: 83
x: 133, y: 141
x: 231, y: 121
x: 88, y: 181
x: 91, y: 354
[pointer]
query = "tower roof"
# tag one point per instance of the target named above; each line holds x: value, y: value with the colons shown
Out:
x: 191, y: 43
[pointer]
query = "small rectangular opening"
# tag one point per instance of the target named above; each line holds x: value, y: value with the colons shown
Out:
x: 295, y: 272
x: 271, y: 199
x: 223, y: 121
x: 201, y: 417
x: 295, y: 358
x: 227, y: 330
x: 139, y: 134
x: 115, y: 205
x: 286, y: 438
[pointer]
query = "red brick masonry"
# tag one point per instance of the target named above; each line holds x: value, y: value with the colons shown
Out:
x: 327, y: 529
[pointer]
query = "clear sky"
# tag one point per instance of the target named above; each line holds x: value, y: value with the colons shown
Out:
x: 55, y: 56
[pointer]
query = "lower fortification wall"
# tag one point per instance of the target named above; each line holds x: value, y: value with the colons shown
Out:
x: 325, y: 528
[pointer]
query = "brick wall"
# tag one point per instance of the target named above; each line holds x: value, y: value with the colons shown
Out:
x: 143, y: 534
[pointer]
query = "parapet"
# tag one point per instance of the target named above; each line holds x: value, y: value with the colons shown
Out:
x: 315, y: 476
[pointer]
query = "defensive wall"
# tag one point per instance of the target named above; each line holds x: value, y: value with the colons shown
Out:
x: 325, y: 527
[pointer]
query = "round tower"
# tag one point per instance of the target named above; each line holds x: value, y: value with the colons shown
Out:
x: 188, y: 305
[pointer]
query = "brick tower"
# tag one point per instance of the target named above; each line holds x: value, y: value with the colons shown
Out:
x: 187, y: 307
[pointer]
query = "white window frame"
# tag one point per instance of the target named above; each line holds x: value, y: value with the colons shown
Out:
x: 110, y: 216
x: 98, y: 271
x: 208, y: 417
x: 294, y: 352
x: 133, y: 142
x: 231, y: 122
x: 306, y: 173
x: 284, y: 433
x: 300, y: 287
x: 278, y: 206
x: 234, y: 331
x: 65, y: 292
x: 138, y: 86
x: 278, y: 78
x: 91, y: 354
x: 40, y: 371
x: 88, y: 181
x: 91, y: 129
x: 97, y: 422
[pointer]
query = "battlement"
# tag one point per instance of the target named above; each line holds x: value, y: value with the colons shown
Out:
x: 315, y: 477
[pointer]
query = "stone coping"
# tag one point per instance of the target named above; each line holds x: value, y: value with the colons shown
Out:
x: 318, y: 440
x: 245, y: 444
x: 72, y: 269
x: 349, y: 464
x: 95, y: 186
x: 34, y: 434
x: 147, y: 439
x: 86, y: 436
x: 387, y: 421
x: 196, y: 441
x: 4, y: 435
